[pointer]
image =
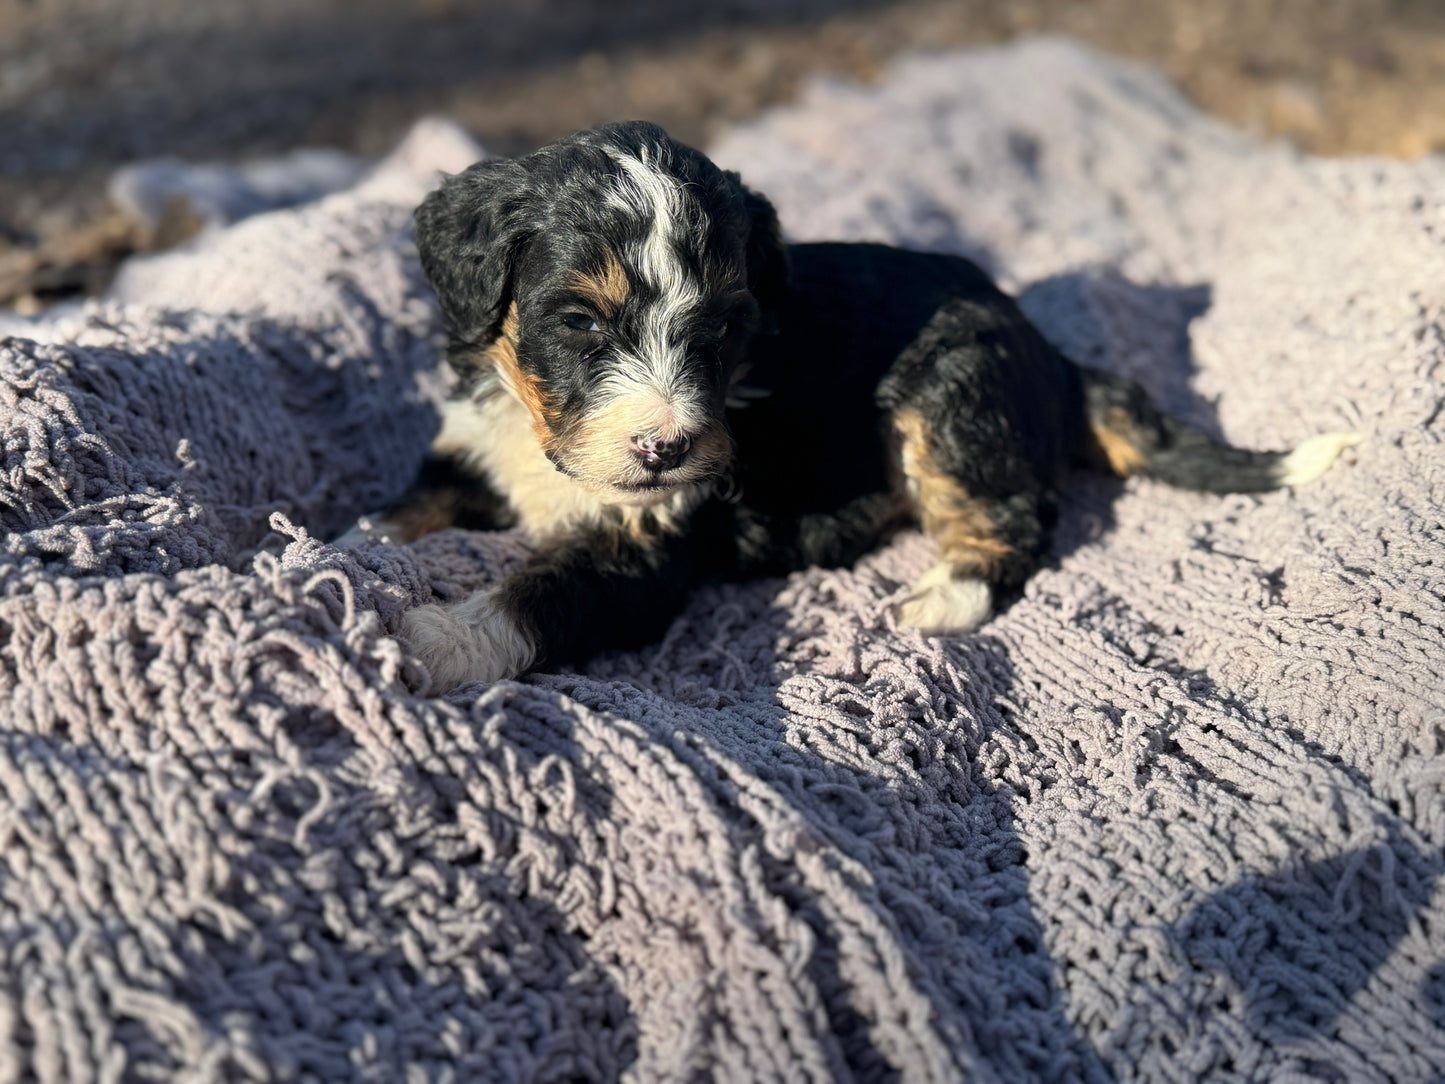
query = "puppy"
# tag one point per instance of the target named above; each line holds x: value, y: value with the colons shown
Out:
x: 664, y: 394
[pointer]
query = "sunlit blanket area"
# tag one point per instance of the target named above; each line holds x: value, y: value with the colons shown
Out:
x: 1177, y: 812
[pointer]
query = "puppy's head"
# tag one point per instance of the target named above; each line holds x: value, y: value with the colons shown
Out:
x: 613, y: 279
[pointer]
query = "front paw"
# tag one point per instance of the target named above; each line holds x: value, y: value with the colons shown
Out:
x: 941, y: 603
x: 473, y: 640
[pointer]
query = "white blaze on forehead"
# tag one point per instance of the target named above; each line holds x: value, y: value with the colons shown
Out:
x: 675, y: 221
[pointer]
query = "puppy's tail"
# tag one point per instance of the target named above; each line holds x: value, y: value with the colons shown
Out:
x: 1126, y: 434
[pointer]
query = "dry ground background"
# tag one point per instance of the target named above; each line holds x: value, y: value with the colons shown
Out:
x: 87, y: 85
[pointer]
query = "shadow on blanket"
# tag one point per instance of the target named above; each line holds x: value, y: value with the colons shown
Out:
x: 1298, y: 944
x: 940, y: 863
x: 928, y: 833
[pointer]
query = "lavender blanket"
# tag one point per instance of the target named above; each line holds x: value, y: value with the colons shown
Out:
x: 1176, y: 813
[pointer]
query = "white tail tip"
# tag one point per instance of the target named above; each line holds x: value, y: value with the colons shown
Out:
x: 1313, y: 457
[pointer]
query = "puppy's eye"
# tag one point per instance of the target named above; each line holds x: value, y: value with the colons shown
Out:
x: 580, y: 321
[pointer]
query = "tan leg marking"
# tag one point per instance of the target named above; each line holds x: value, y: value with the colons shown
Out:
x: 419, y: 514
x: 412, y: 517
x: 954, y: 595
x: 1117, y: 439
x: 960, y: 524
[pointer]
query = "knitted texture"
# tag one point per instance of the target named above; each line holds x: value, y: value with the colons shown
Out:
x: 1176, y: 812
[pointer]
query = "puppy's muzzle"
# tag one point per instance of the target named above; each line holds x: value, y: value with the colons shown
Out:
x: 660, y: 453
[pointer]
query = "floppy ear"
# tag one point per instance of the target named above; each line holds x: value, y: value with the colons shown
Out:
x: 766, y: 254
x: 468, y: 232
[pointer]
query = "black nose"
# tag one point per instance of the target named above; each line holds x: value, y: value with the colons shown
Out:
x: 660, y: 453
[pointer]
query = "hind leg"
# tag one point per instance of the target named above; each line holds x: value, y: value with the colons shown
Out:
x: 445, y: 494
x: 985, y: 541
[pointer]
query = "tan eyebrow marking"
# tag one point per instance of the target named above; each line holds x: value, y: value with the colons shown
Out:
x: 607, y: 288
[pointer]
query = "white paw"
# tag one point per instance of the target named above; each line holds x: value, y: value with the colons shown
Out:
x: 470, y: 641
x: 941, y: 604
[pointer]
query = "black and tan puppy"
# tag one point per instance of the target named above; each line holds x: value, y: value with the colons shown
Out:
x: 664, y: 394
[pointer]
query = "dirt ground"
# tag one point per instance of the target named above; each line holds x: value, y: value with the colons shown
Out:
x: 87, y: 85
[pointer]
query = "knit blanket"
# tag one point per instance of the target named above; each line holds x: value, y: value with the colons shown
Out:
x: 1175, y: 813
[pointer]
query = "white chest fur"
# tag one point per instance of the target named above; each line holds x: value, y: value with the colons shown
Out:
x: 494, y: 435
